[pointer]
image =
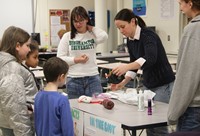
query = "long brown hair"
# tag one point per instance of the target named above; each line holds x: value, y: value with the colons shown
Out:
x: 78, y: 11
x: 11, y: 37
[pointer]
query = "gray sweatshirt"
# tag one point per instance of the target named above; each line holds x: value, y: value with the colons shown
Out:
x: 186, y: 90
x: 17, y: 86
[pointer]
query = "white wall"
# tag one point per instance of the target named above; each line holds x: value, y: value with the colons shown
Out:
x: 21, y: 15
x: 42, y: 18
x: 112, y: 31
x: 17, y: 13
x: 43, y: 7
x: 164, y: 27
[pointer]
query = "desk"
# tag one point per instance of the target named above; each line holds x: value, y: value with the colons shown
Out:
x: 47, y: 55
x: 110, y: 66
x: 127, y: 115
x: 171, y: 58
x: 172, y: 53
x: 98, y: 61
x: 37, y: 68
x: 124, y: 59
x: 111, y: 56
x: 102, y: 55
x: 38, y: 73
x: 172, y: 61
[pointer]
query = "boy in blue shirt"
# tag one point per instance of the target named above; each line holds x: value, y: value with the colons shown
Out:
x: 52, y: 109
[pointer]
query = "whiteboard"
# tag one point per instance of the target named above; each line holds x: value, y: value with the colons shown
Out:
x: 16, y: 13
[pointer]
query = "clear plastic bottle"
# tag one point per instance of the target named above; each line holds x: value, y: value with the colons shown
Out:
x: 140, y: 101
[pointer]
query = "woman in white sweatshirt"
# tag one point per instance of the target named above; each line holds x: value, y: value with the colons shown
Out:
x: 78, y: 49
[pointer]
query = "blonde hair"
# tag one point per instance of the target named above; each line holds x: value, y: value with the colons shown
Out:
x: 13, y: 35
x: 61, y: 32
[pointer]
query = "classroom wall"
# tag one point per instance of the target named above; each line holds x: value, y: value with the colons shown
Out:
x: 164, y: 27
x: 42, y: 15
x: 17, y: 13
x: 112, y: 31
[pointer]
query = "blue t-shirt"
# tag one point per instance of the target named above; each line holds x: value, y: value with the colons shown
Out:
x: 52, y: 114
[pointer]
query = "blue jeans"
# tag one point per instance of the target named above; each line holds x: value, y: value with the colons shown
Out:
x: 7, y: 132
x: 163, y: 94
x: 83, y: 86
x: 190, y: 120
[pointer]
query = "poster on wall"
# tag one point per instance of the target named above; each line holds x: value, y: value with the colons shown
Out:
x: 97, y: 126
x: 59, y: 19
x: 167, y: 9
x: 139, y: 7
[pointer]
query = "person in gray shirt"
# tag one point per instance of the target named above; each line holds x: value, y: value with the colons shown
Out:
x: 184, y: 105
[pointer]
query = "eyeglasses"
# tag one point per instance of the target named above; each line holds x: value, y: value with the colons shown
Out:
x: 78, y: 21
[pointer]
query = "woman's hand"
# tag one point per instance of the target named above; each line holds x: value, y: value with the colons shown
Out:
x: 115, y: 87
x: 81, y: 59
x: 89, y: 28
x: 123, y: 68
x: 120, y: 70
x: 119, y: 86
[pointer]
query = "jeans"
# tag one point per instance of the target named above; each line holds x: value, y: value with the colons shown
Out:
x: 83, y: 86
x: 190, y: 120
x: 6, y: 131
x: 163, y: 94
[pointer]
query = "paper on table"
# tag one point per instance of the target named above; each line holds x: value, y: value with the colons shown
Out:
x: 130, y: 96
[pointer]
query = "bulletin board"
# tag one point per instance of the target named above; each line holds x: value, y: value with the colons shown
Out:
x: 59, y: 19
